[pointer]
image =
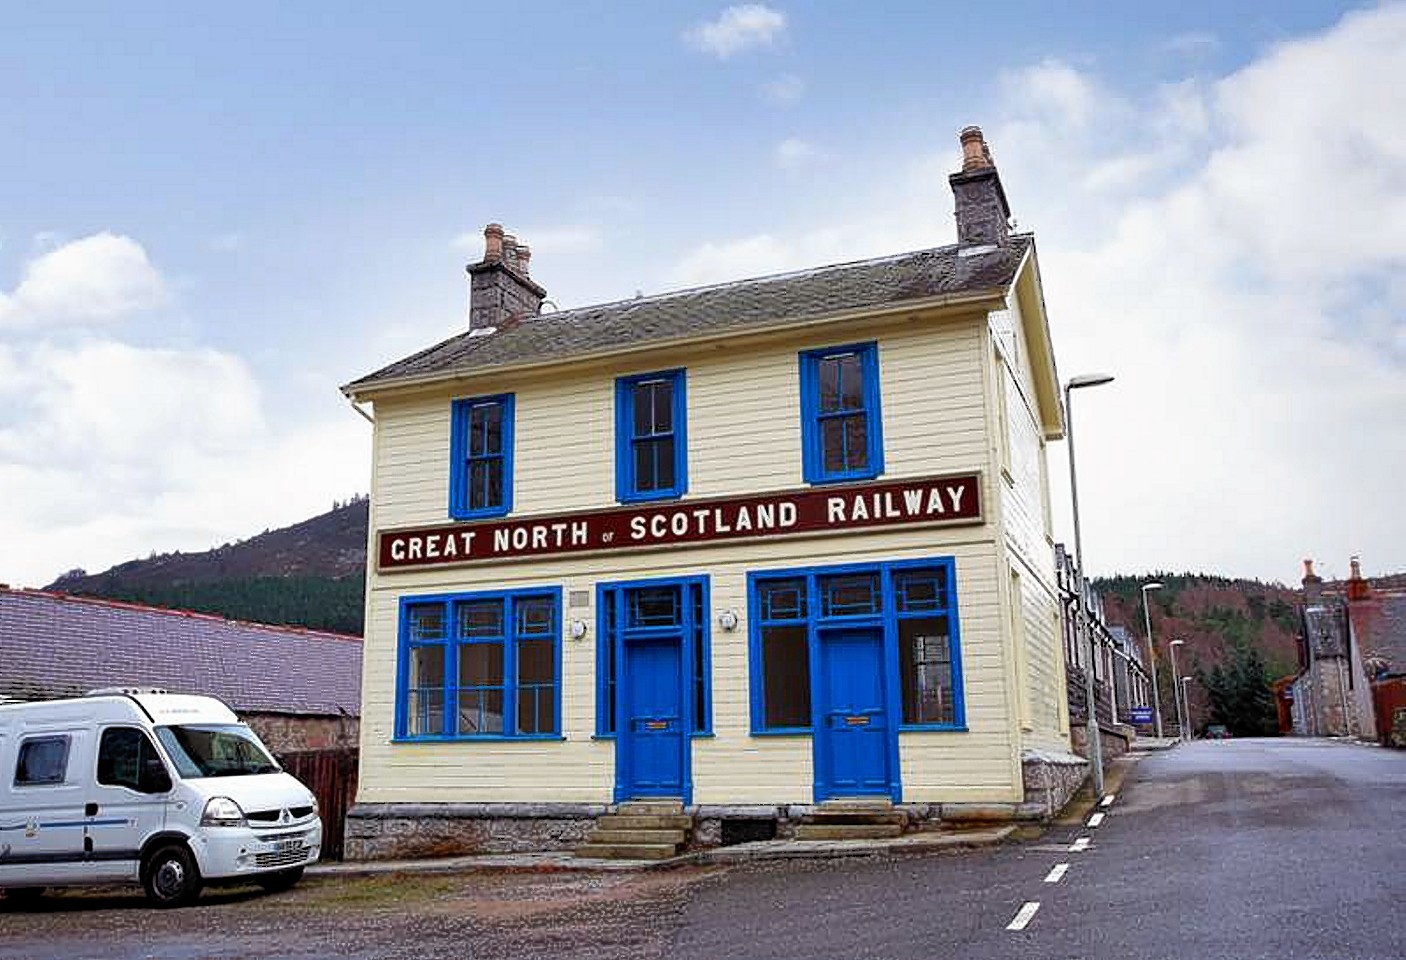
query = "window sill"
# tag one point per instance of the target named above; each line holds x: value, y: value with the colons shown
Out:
x: 486, y: 738
x: 933, y: 728
x: 695, y: 735
x: 487, y: 514
x: 828, y: 481
x: 655, y: 497
x: 783, y: 732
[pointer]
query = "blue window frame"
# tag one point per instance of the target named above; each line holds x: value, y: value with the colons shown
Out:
x: 481, y: 457
x: 841, y: 424
x: 915, y: 603
x: 651, y: 437
x: 654, y: 608
x: 480, y: 666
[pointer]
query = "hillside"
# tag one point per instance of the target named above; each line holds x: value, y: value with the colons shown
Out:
x: 310, y: 574
x: 1232, y: 628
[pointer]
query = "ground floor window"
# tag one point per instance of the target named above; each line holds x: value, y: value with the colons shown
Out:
x: 661, y: 609
x: 915, y: 604
x: 480, y: 665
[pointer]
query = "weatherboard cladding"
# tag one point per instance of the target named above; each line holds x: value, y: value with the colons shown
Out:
x: 57, y: 646
x: 739, y: 307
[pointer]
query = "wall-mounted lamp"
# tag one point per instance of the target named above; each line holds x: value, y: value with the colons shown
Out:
x: 578, y: 629
x: 728, y: 620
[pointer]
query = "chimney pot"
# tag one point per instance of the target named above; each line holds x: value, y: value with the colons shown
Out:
x: 493, y: 243
x: 524, y: 256
x: 975, y: 154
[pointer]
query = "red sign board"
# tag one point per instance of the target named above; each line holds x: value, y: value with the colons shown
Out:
x: 924, y: 500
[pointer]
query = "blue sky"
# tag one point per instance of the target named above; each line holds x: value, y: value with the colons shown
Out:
x: 259, y: 202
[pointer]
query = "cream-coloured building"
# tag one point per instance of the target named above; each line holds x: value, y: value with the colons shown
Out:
x: 751, y: 547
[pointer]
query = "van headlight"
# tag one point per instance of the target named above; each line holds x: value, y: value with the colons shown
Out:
x: 223, y: 812
x: 316, y: 807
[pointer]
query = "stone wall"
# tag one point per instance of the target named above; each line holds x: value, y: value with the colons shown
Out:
x: 291, y: 733
x: 1051, y: 779
x: 391, y: 831
x: 1113, y: 741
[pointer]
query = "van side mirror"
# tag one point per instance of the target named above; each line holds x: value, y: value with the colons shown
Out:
x: 154, y: 778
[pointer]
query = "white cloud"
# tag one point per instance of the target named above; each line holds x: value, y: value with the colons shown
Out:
x: 793, y: 152
x: 785, y: 89
x: 94, y: 280
x: 736, y: 29
x: 227, y: 242
x: 110, y: 450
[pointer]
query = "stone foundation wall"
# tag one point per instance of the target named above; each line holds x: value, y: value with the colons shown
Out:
x: 391, y: 831
x: 1051, y: 779
x: 1113, y: 741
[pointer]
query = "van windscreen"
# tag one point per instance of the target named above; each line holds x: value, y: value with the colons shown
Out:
x: 215, y: 750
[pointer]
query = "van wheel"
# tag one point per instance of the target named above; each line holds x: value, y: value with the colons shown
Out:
x: 170, y: 876
x: 280, y: 881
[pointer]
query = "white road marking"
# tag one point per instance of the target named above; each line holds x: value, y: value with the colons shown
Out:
x: 1080, y: 845
x: 1108, y: 800
x: 1024, y: 915
x: 1057, y: 873
x: 1096, y: 819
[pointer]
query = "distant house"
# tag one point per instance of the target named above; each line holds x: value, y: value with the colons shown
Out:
x: 299, y: 689
x: 1352, y: 657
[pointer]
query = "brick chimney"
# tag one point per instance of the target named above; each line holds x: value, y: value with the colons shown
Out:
x: 983, y: 215
x: 1312, y: 584
x: 499, y: 287
x: 1358, y: 588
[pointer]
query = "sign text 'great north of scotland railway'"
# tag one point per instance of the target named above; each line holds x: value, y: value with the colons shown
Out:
x: 925, y: 500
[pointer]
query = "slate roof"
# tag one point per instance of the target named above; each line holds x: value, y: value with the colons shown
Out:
x: 737, y: 307
x: 52, y: 645
x: 1380, y: 623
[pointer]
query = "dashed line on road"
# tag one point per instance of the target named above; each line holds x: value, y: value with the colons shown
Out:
x: 1057, y: 873
x: 1108, y: 800
x: 1080, y: 845
x: 1096, y: 819
x: 1024, y: 915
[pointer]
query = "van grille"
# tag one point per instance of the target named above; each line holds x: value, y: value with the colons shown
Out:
x: 272, y: 816
x: 283, y: 858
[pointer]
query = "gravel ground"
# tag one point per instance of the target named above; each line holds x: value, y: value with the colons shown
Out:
x: 629, y: 916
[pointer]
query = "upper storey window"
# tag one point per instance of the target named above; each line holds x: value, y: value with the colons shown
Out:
x: 842, y: 434
x: 481, y: 457
x: 651, y: 459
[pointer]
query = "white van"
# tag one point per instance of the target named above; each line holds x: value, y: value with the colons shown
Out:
x: 131, y: 785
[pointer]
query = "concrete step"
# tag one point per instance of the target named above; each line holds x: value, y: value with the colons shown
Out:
x: 607, y: 836
x: 857, y: 803
x: 622, y: 821
x: 847, y: 831
x: 628, y: 851
x: 898, y: 818
x: 649, y: 808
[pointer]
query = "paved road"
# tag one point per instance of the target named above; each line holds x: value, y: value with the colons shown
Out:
x: 1283, y: 849
x: 1236, y: 849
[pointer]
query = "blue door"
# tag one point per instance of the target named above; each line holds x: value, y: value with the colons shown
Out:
x: 651, y: 757
x: 855, y: 740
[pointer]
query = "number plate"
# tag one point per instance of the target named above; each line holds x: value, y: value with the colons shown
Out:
x: 286, y: 846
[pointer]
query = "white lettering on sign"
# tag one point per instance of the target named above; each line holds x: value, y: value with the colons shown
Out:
x: 926, y: 500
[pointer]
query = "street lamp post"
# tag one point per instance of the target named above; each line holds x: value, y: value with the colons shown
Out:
x: 1091, y: 707
x: 1152, y: 653
x: 1176, y: 688
x: 1186, y: 708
